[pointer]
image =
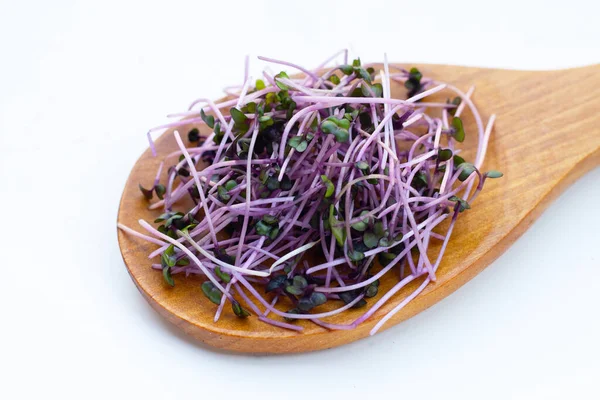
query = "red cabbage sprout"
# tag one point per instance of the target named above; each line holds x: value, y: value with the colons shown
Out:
x: 326, y: 164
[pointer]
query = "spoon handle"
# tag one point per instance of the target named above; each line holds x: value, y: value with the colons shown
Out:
x: 548, y: 123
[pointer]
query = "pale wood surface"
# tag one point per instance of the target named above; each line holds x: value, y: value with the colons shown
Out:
x: 547, y: 134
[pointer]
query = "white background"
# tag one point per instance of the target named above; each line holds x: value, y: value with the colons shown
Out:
x: 80, y: 83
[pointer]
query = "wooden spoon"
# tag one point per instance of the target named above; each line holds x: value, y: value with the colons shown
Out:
x: 547, y: 134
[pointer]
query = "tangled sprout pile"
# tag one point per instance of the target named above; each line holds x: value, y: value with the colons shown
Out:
x: 309, y: 190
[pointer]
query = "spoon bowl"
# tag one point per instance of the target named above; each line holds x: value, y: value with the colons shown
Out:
x: 546, y: 135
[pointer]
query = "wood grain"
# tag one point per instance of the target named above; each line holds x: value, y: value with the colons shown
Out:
x: 547, y: 135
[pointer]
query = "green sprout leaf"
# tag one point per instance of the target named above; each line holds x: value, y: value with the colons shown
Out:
x: 211, y: 291
x: 341, y: 135
x: 194, y: 134
x: 272, y: 183
x: 314, y: 300
x: 356, y: 255
x: 317, y: 298
x: 224, y: 276
x: 413, y: 83
x: 328, y: 126
x: 262, y: 228
x: 238, y: 310
x: 415, y: 74
x: 361, y: 226
x: 182, y: 262
x: 347, y: 69
x: 370, y: 240
x: 279, y: 84
x: 364, y: 75
x: 300, y: 281
x: 270, y: 219
x: 377, y: 89
x: 295, y: 290
x: 167, y: 258
x: 304, y: 304
x: 230, y: 185
x: 291, y: 108
x: 337, y: 127
x: 459, y: 131
x: 302, y: 146
x: 238, y: 117
x: 462, y: 204
x: 183, y: 171
x: 298, y: 143
x: 277, y: 282
x: 334, y: 79
x: 146, y: 192
x: 169, y: 217
x: 208, y: 119
x: 349, y: 296
x: 263, y: 176
x: 260, y: 84
x: 271, y: 98
x: 250, y: 108
x: 328, y: 185
x: 458, y: 160
x: 167, y: 276
x: 286, y: 183
x: 386, y: 258
x: 419, y: 181
x: 378, y: 229
x: 384, y: 242
x: 338, y: 232
x: 343, y: 123
x: 274, y: 232
x: 293, y: 311
x: 494, y: 174
x: 467, y: 170
x: 223, y: 256
x: 444, y: 154
x: 223, y: 193
x: 363, y: 166
x: 160, y: 190
x: 265, y: 119
x: 187, y: 228
x: 372, y: 289
x: 455, y: 101
x: 218, y: 134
